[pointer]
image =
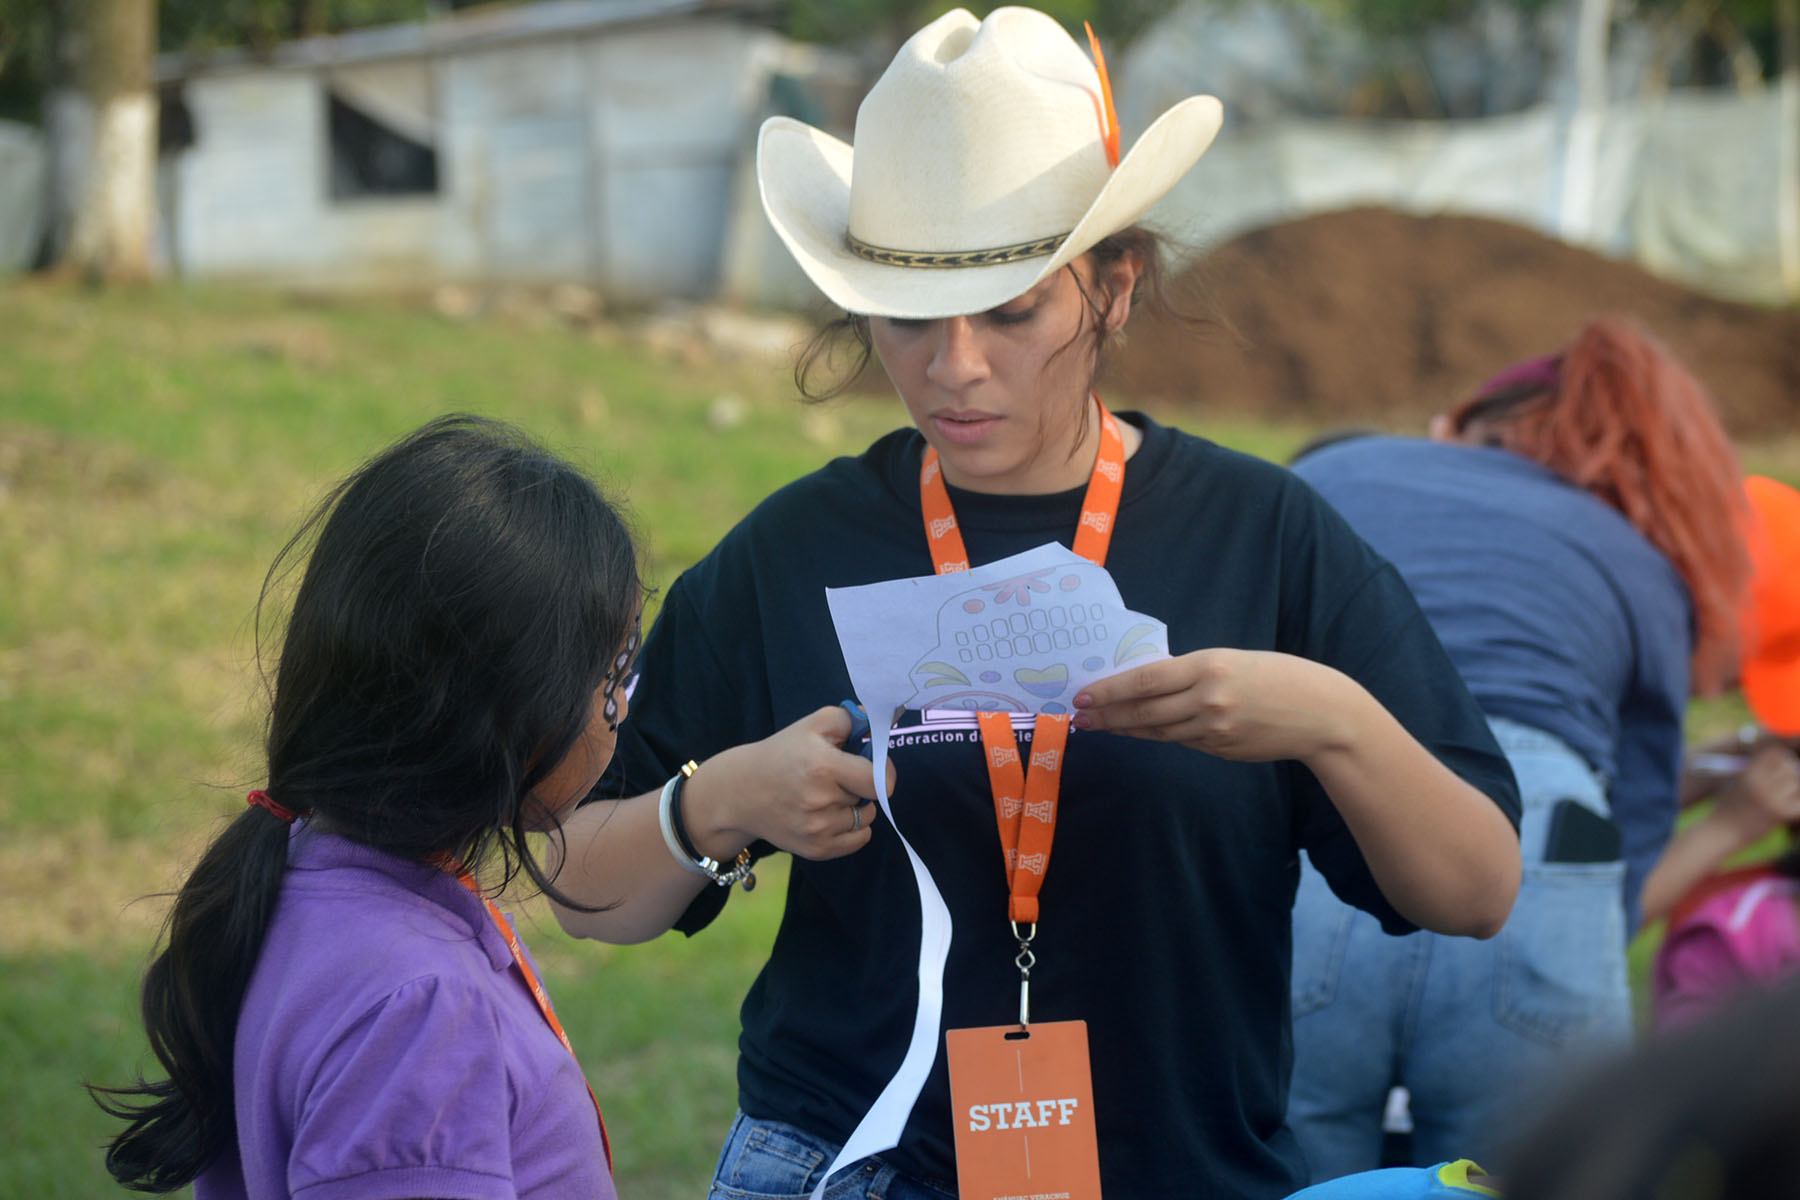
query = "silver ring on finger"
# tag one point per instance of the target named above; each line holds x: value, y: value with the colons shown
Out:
x: 855, y: 817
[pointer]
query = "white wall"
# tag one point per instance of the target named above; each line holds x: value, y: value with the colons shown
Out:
x: 675, y: 110
x: 514, y: 152
x: 609, y: 159
x: 252, y: 197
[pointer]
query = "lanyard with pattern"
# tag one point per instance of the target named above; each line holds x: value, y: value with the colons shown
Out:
x: 537, y: 993
x: 1025, y: 801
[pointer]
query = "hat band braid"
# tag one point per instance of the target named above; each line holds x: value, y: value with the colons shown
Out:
x: 954, y: 258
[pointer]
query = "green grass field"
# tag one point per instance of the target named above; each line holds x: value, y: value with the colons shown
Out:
x: 155, y: 450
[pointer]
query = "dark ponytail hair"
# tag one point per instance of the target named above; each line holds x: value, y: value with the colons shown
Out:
x: 464, y: 598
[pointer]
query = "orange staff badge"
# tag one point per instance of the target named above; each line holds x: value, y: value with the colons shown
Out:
x: 1023, y: 1103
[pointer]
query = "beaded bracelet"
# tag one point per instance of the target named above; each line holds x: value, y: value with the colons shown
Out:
x: 676, y: 837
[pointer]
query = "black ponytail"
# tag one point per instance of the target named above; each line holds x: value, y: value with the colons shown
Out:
x: 191, y: 995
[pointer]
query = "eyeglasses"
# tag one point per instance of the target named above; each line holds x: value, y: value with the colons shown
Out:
x: 622, y: 674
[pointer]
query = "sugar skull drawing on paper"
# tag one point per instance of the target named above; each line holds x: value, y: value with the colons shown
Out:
x: 1029, y: 643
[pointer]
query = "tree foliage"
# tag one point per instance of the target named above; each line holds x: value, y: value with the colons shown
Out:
x: 1740, y: 35
x: 1399, y: 18
x: 1739, y: 39
x: 201, y: 25
x: 24, y: 56
x: 1720, y: 40
x: 27, y: 69
x: 885, y: 24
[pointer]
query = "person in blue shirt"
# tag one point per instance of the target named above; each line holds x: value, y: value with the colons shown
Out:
x: 1572, y: 534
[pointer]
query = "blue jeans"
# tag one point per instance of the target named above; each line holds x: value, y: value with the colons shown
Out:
x: 766, y: 1160
x: 1471, y: 1028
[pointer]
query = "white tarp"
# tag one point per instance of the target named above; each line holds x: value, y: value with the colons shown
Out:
x: 1689, y: 186
x: 1707, y: 199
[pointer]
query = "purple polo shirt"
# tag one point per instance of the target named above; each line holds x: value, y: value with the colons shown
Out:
x: 389, y: 1048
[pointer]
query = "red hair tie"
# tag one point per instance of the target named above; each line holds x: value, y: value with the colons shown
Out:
x: 261, y: 799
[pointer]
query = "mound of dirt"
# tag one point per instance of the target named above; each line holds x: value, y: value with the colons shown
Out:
x: 1371, y: 316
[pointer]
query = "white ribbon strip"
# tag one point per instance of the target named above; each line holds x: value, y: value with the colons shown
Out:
x: 882, y: 1125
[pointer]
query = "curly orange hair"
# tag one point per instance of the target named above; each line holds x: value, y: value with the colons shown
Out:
x: 1628, y: 423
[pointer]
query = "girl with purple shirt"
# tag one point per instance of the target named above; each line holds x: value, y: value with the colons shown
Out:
x: 341, y: 1010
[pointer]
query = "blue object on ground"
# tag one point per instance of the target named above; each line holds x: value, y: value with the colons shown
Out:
x: 1446, y: 1181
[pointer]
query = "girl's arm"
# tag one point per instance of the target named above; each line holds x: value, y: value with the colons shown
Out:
x: 795, y: 789
x: 1442, y: 851
x: 1762, y: 798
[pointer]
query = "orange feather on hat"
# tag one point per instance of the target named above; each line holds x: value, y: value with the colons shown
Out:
x: 1109, y: 117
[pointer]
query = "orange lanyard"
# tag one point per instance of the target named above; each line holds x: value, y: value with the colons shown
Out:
x: 1025, y: 802
x: 537, y: 993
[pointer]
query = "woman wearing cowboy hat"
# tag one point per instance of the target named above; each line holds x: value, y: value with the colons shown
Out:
x: 984, y: 240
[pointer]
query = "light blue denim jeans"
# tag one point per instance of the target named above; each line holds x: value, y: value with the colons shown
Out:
x: 1473, y: 1029
x: 767, y: 1160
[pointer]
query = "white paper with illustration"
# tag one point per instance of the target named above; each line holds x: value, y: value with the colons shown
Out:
x: 1023, y: 635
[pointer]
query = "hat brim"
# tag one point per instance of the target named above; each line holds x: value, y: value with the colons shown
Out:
x: 804, y: 177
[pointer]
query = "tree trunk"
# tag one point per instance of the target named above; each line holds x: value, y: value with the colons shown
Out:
x: 1671, y: 36
x: 1787, y: 186
x: 309, y: 19
x: 102, y: 129
x: 1581, y: 149
x: 1745, y: 63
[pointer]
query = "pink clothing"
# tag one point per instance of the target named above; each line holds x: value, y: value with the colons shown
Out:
x: 1743, y: 935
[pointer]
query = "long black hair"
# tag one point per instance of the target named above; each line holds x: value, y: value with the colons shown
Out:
x: 464, y: 598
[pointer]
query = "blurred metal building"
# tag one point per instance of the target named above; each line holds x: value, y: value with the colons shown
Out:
x: 603, y: 142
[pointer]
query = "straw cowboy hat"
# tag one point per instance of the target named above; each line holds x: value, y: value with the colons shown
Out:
x: 1771, y: 659
x: 982, y: 163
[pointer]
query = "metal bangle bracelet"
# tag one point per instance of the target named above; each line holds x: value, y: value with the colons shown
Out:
x: 664, y: 818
